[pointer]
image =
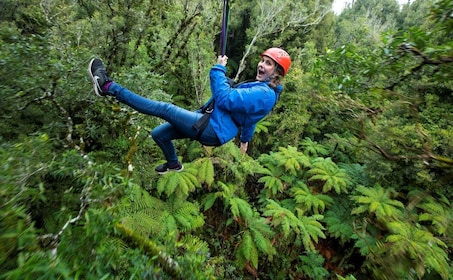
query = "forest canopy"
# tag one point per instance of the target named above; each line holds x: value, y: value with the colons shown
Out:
x: 349, y: 177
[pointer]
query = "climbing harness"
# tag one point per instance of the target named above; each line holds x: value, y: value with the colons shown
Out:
x: 201, y: 124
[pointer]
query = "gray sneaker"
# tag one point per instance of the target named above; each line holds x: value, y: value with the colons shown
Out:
x: 165, y: 168
x: 98, y: 75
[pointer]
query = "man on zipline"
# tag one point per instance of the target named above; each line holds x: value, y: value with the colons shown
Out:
x: 229, y: 110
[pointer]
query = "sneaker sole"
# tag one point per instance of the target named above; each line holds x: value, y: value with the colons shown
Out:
x: 171, y: 170
x: 93, y: 80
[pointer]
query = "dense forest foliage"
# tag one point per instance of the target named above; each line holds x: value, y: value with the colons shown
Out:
x: 349, y: 177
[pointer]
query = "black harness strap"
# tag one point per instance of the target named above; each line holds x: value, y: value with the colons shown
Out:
x: 206, y: 110
x: 201, y: 124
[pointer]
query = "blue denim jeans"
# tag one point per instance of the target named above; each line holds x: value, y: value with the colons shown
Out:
x: 179, y: 121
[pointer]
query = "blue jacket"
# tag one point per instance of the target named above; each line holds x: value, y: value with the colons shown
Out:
x: 239, y: 108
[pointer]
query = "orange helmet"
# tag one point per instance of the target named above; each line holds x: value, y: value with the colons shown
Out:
x: 280, y: 56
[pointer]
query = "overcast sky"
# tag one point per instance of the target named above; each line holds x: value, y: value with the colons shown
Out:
x: 338, y: 5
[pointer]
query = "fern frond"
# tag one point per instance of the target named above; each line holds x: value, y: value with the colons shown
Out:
x: 307, y: 228
x: 311, y: 228
x: 438, y: 212
x: 272, y: 185
x: 313, y: 148
x: 178, y: 183
x: 262, y: 126
x: 247, y: 251
x: 305, y: 199
x: 168, y: 264
x: 205, y: 169
x: 240, y: 208
x: 280, y: 216
x: 194, y: 244
x: 289, y: 159
x: 339, y: 223
x: 378, y: 201
x: 325, y: 170
x: 365, y: 242
x: 262, y: 243
x: 209, y: 200
x: 188, y: 215
x: 420, y: 246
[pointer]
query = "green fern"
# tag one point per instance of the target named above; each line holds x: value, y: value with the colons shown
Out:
x: 326, y: 171
x: 356, y: 173
x: 272, y: 185
x: 149, y: 216
x: 188, y: 216
x: 255, y: 238
x: 309, y: 201
x: 152, y: 249
x: 247, y: 251
x: 339, y: 223
x: 308, y: 229
x: 178, y: 183
x: 230, y: 159
x: 365, y: 242
x: 378, y: 201
x: 262, y: 126
x: 262, y: 234
x: 289, y: 159
x: 193, y: 244
x: 438, y: 212
x: 312, y: 266
x: 205, y: 169
x: 240, y: 208
x: 312, y: 148
x: 419, y: 246
x: 225, y: 192
x: 255, y: 231
x: 209, y: 200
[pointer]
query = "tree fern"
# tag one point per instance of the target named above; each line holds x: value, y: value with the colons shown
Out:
x: 169, y: 265
x: 255, y: 232
x: 378, y: 201
x: 313, y: 148
x: 365, y: 242
x: 307, y: 228
x: 312, y: 266
x: 339, y: 223
x: 226, y: 192
x: 247, y: 251
x: 150, y: 216
x: 255, y: 238
x: 326, y: 171
x: 205, y: 169
x: 438, y: 212
x: 262, y: 234
x: 262, y: 127
x: 188, y: 216
x: 310, y: 228
x: 356, y: 173
x: 309, y: 201
x: 178, y: 183
x: 291, y: 160
x: 272, y: 185
x: 418, y: 245
x: 240, y: 208
x: 229, y: 158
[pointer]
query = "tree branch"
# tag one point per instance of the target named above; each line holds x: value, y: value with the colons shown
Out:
x: 425, y: 61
